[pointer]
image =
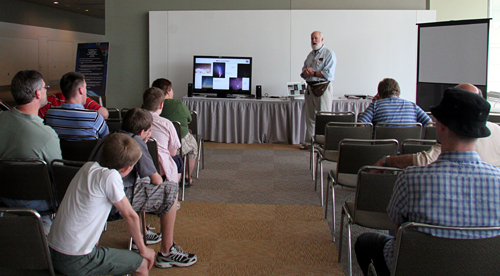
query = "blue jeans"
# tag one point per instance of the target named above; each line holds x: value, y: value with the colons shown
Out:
x: 370, y: 247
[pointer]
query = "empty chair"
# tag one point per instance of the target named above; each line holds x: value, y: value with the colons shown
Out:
x: 21, y: 231
x: 369, y: 209
x: 494, y: 117
x: 398, y: 131
x: 411, y: 146
x: 114, y: 124
x: 418, y: 253
x: 63, y: 172
x: 430, y: 131
x: 193, y: 127
x: 114, y: 113
x: 77, y: 150
x: 123, y: 112
x: 334, y: 133
x: 318, y: 139
x: 354, y: 154
x: 26, y: 179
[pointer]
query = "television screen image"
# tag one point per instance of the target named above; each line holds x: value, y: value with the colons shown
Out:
x: 222, y: 75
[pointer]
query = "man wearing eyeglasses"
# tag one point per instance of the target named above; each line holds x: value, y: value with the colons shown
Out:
x: 23, y: 134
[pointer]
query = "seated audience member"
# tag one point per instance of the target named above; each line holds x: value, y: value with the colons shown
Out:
x: 71, y: 120
x: 58, y: 99
x: 147, y: 191
x: 458, y: 189
x: 488, y: 148
x: 176, y: 110
x: 164, y: 132
x: 82, y: 214
x: 392, y: 109
x: 23, y: 134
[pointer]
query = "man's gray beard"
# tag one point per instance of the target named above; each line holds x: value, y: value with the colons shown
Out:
x: 316, y: 47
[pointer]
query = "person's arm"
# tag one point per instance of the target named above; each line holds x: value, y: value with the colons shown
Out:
x: 156, y: 179
x: 133, y: 226
x: 401, y: 161
x: 104, y: 112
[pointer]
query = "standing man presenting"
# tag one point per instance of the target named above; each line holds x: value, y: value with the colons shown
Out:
x: 318, y: 71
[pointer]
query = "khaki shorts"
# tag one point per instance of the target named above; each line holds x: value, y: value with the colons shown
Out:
x: 189, y: 146
x: 101, y: 261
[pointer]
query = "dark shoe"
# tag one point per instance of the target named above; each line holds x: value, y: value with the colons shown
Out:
x: 305, y: 147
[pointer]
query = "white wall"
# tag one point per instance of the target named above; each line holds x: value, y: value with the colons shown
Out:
x: 50, y: 51
x: 370, y: 45
x: 459, y: 9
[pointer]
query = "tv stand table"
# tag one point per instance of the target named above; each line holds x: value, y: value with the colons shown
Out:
x: 268, y: 120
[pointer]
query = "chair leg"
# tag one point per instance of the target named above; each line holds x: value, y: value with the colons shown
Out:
x: 321, y: 181
x: 350, y: 247
x: 340, y: 236
x: 183, y: 176
x: 333, y: 209
x: 198, y: 159
x: 326, y: 199
x: 203, y: 154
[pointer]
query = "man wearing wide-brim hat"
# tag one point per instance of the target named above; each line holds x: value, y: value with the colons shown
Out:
x: 458, y: 189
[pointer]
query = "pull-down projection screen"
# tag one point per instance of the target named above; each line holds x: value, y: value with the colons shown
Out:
x: 450, y: 53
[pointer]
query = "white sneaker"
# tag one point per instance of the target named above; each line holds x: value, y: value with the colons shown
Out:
x: 151, y: 238
x: 176, y: 257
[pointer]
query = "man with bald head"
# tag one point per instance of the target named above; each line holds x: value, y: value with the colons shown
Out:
x: 488, y: 148
x: 318, y: 71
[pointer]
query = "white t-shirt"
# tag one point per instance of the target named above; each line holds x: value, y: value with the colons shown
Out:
x: 83, y: 212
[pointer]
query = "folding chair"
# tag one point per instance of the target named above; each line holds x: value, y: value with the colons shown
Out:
x: 21, y: 231
x: 411, y: 146
x: 398, y: 131
x: 354, y: 154
x: 318, y: 139
x: 430, y: 131
x: 193, y: 127
x: 152, y: 145
x: 123, y: 112
x: 63, y: 172
x: 114, y: 113
x: 26, y: 179
x: 369, y: 209
x: 418, y: 253
x: 334, y: 133
x: 79, y: 150
x: 177, y: 126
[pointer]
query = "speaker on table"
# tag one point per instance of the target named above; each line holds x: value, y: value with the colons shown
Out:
x: 258, y: 92
x: 190, y: 89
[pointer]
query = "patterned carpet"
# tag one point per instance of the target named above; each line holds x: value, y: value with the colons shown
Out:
x: 254, y: 211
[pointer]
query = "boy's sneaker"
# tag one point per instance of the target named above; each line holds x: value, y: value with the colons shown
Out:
x: 151, y: 238
x: 176, y: 257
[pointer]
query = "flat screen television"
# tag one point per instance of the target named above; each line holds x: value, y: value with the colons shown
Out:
x: 222, y: 75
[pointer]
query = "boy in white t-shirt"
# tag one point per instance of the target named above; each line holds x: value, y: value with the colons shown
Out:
x: 84, y: 210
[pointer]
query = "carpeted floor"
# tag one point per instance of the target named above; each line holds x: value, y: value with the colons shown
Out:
x: 246, y: 239
x: 254, y: 210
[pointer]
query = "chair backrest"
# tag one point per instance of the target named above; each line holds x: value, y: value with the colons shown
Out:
x: 63, y: 172
x: 398, y: 131
x: 193, y: 125
x: 77, y: 150
x: 177, y: 126
x: 21, y: 231
x: 418, y: 253
x: 430, y: 131
x: 114, y: 113
x: 337, y: 131
x: 411, y: 146
x: 323, y: 117
x: 356, y: 153
x: 430, y: 115
x: 153, y: 151
x: 123, y: 112
x: 374, y: 189
x: 114, y: 124
x: 26, y: 179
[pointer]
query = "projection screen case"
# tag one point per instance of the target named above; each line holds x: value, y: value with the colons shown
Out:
x: 450, y: 53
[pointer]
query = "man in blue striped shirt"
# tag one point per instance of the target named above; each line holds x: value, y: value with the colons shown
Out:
x: 458, y: 189
x: 392, y: 109
x: 71, y: 120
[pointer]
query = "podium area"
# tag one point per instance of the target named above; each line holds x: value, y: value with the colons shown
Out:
x: 269, y: 120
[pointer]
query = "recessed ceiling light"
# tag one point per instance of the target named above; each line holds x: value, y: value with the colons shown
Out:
x: 55, y: 3
x: 86, y: 10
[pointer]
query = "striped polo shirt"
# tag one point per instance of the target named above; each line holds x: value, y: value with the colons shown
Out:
x: 394, y: 110
x: 74, y: 122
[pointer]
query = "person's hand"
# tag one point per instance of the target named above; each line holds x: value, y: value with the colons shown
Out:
x: 148, y: 254
x: 380, y: 163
